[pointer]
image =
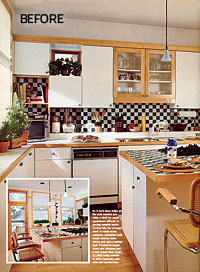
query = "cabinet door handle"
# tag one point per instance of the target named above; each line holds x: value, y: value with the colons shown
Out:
x: 72, y: 243
x: 138, y: 178
x: 142, y: 95
x: 53, y: 154
x: 110, y: 105
x: 21, y: 164
x: 30, y: 154
x: 80, y: 246
x: 79, y: 105
x: 68, y: 161
x: 133, y: 186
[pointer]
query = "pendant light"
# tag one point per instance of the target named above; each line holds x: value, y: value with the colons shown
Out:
x: 65, y: 194
x: 49, y: 194
x: 166, y: 57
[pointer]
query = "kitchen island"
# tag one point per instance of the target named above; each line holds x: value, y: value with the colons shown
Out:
x: 62, y: 244
x: 143, y: 213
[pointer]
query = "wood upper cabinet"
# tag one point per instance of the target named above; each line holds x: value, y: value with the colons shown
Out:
x: 97, y: 72
x: 129, y: 75
x: 160, y: 77
x: 141, y: 77
x: 187, y: 80
x: 31, y: 58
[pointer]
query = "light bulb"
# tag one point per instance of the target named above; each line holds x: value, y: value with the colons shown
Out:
x: 49, y: 203
x: 65, y: 194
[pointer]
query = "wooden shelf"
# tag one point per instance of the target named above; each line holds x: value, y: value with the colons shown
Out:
x: 128, y: 70
x: 159, y: 81
x: 34, y: 103
x: 133, y: 81
x: 160, y: 72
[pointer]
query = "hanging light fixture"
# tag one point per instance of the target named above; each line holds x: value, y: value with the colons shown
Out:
x: 166, y: 57
x: 49, y: 193
x: 65, y: 194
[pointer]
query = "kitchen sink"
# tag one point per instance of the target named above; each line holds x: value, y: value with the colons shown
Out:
x: 145, y: 139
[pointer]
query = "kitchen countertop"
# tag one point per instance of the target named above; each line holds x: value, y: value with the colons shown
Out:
x: 10, y: 159
x: 57, y: 237
x: 145, y: 160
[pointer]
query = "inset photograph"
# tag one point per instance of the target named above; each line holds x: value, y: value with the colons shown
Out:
x: 48, y: 220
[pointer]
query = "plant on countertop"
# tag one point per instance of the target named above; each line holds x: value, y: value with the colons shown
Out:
x: 39, y: 221
x: 4, y: 134
x: 76, y: 68
x: 18, y: 119
x: 68, y: 220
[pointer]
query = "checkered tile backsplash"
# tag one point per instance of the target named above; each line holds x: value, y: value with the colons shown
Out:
x: 131, y: 113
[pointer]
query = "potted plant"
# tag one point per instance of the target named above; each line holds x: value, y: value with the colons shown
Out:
x: 19, y: 122
x: 55, y: 67
x: 4, y: 134
x: 76, y: 68
x: 66, y: 67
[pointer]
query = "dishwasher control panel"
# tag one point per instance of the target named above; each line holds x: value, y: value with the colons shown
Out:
x: 94, y: 153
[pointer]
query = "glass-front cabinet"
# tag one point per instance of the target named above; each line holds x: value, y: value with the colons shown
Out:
x: 141, y: 77
x: 160, y: 76
x: 129, y: 74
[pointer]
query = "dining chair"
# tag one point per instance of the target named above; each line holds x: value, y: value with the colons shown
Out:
x: 185, y: 231
x: 26, y: 251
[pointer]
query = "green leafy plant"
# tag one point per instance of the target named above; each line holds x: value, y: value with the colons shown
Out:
x: 76, y: 68
x: 18, y: 119
x: 85, y: 205
x: 68, y: 220
x: 38, y: 221
x: 5, y: 131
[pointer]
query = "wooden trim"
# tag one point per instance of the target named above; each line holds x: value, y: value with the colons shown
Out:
x: 81, y: 199
x: 25, y: 76
x: 17, y: 191
x: 7, y: 6
x: 47, y: 209
x: 75, y: 52
x: 16, y: 203
x: 93, y: 42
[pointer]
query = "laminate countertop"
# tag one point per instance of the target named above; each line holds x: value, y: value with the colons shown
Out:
x: 145, y: 160
x: 10, y: 159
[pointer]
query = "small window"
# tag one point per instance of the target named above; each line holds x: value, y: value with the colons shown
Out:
x: 17, y: 196
x: 40, y: 202
x: 74, y: 55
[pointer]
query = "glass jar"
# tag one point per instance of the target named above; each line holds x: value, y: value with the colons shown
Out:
x: 120, y: 61
x: 127, y: 62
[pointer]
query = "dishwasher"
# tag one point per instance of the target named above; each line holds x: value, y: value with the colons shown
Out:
x: 101, y: 166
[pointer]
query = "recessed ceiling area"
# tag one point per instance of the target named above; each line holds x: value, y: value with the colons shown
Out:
x: 181, y: 13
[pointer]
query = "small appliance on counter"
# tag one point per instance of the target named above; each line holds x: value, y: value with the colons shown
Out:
x: 55, y: 124
x: 68, y: 122
x: 39, y: 128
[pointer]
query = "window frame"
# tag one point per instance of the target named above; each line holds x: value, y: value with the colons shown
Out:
x: 55, y: 51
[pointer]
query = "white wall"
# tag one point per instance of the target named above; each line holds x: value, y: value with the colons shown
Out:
x: 109, y: 31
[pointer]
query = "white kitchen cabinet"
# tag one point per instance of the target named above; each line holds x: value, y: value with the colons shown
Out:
x: 84, y: 253
x: 127, y: 201
x: 31, y: 58
x: 187, y: 80
x: 65, y: 91
x: 97, y: 72
x: 71, y: 250
x: 140, y: 217
x: 53, y: 162
x: 25, y: 169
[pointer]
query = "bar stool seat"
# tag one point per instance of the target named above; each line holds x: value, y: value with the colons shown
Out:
x: 184, y: 232
x: 30, y: 254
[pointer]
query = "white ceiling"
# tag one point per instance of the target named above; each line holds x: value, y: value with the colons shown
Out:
x: 181, y: 13
x: 78, y: 187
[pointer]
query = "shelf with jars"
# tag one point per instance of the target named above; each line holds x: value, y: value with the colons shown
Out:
x: 141, y: 77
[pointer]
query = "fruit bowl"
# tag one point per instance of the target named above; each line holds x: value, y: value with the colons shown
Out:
x: 135, y: 129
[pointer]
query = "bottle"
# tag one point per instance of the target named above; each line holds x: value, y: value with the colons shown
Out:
x: 171, y: 148
x: 143, y: 123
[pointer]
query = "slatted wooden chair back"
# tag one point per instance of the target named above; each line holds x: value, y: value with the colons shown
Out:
x: 195, y: 202
x: 14, y: 240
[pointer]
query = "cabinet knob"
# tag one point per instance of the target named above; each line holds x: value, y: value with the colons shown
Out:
x: 30, y: 154
x: 111, y: 105
x: 68, y: 161
x: 21, y: 164
x: 72, y: 243
x: 53, y: 154
x: 80, y: 246
x: 79, y: 105
x: 133, y: 186
x: 138, y: 178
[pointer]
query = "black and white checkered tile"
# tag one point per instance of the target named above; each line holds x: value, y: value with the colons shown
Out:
x: 131, y: 113
x: 34, y: 85
x: 150, y: 158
